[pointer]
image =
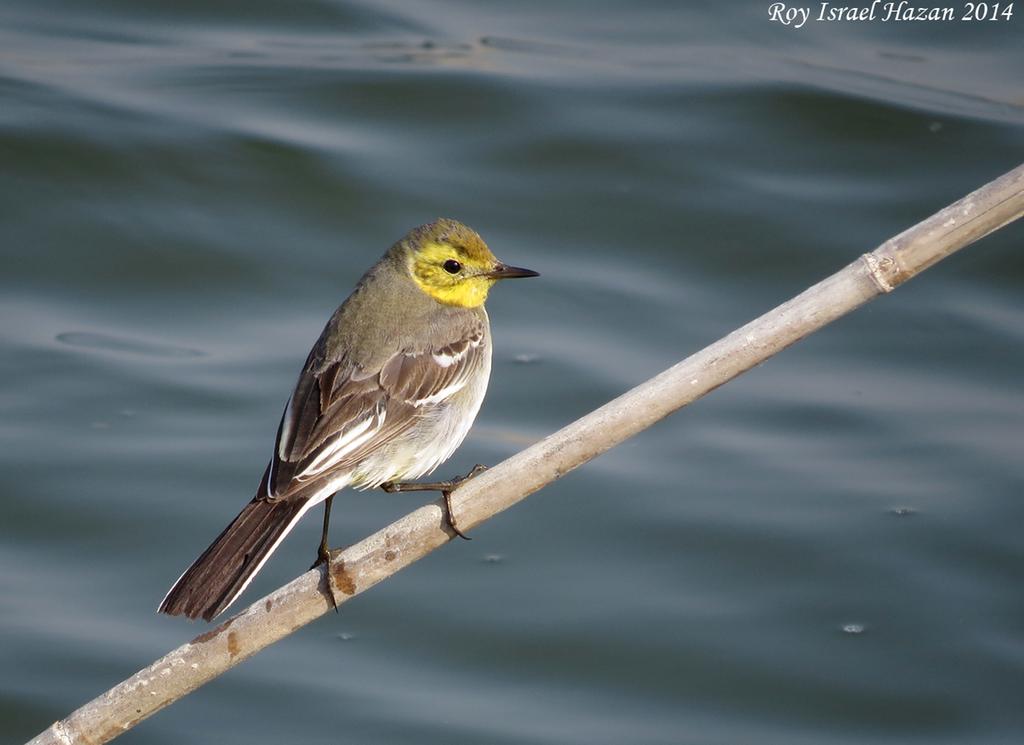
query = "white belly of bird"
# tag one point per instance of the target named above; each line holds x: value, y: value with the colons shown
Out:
x: 440, y: 431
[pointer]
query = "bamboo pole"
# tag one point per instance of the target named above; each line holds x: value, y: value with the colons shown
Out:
x: 361, y: 566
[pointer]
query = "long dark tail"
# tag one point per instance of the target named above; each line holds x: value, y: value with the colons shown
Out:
x: 217, y: 577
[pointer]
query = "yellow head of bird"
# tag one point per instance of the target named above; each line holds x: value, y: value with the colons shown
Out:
x: 451, y: 263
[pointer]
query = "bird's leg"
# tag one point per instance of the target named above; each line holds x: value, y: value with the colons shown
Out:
x: 323, y: 552
x: 445, y: 487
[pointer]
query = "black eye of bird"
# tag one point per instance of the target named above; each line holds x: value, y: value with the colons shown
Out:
x: 452, y: 266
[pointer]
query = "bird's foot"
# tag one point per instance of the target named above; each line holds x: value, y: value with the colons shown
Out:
x: 323, y: 558
x: 445, y: 487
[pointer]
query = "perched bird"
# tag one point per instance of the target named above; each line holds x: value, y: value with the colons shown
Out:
x: 388, y: 392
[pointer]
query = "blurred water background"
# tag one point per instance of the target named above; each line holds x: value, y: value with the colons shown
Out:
x: 827, y: 550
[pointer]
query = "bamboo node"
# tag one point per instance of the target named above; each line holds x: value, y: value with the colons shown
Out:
x: 877, y: 270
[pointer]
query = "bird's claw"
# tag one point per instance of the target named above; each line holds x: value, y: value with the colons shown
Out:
x: 445, y: 487
x: 323, y: 558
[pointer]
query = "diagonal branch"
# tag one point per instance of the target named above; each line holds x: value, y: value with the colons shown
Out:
x: 360, y: 567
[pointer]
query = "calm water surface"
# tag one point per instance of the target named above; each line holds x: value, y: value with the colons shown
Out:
x: 827, y: 550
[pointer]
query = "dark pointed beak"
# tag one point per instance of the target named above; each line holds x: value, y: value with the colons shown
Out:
x: 503, y: 271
